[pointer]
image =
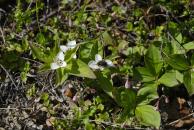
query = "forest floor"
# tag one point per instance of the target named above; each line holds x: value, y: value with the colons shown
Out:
x: 31, y: 99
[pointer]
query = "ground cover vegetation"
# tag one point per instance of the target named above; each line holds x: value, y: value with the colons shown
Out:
x: 84, y: 64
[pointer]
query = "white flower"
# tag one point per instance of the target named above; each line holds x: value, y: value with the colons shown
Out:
x: 99, y: 63
x: 59, y: 61
x: 70, y: 45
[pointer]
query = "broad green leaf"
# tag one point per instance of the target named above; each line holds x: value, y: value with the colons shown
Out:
x: 179, y: 76
x: 148, y: 93
x: 107, y: 39
x: 169, y: 79
x: 44, y: 67
x: 188, y: 81
x: 61, y: 76
x: 176, y: 45
x: 55, y: 49
x: 168, y: 48
x: 79, y: 68
x: 25, y: 44
x: 147, y: 115
x: 189, y: 46
x: 173, y: 26
x: 177, y: 61
x: 129, y: 26
x: 69, y: 54
x: 144, y: 74
x: 40, y: 38
x: 126, y: 98
x: 179, y: 38
x: 88, y: 50
x: 153, y: 59
x: 105, y: 83
x: 39, y: 53
x: 122, y: 45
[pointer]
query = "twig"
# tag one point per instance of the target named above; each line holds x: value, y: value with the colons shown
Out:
x: 191, y: 128
x: 2, y: 34
x: 155, y: 15
x: 171, y: 123
x: 45, y: 17
x: 16, y: 108
x: 8, y: 75
x: 117, y: 2
x: 28, y: 59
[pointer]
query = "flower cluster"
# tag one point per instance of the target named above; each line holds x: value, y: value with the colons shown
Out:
x: 59, y: 59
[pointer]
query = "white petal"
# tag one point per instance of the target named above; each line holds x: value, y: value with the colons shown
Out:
x: 98, y: 58
x: 127, y: 84
x: 74, y: 56
x: 109, y: 63
x: 60, y: 56
x: 63, y: 48
x: 54, y: 66
x: 101, y: 68
x: 71, y: 44
x: 75, y: 98
x: 64, y: 64
x: 92, y: 64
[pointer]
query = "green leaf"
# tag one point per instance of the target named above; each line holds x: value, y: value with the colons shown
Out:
x: 105, y: 83
x: 44, y: 67
x: 126, y: 98
x: 69, y: 54
x: 144, y: 74
x: 179, y: 38
x: 39, y: 53
x: 107, y: 38
x: 179, y: 76
x: 79, y: 68
x: 153, y: 59
x: 189, y: 46
x: 148, y: 93
x: 25, y: 44
x: 192, y: 60
x: 147, y: 115
x: 88, y: 50
x: 61, y: 76
x: 40, y: 38
x: 168, y: 48
x: 169, y: 79
x: 176, y: 46
x: 188, y: 81
x: 129, y: 26
x: 177, y: 61
x: 122, y: 45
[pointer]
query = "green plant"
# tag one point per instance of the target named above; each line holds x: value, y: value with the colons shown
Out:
x: 112, y: 39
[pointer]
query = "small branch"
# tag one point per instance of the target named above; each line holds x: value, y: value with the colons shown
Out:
x: 2, y: 34
x: 28, y: 59
x: 192, y: 128
x: 47, y: 16
x: 171, y: 123
x: 8, y: 108
x: 8, y: 75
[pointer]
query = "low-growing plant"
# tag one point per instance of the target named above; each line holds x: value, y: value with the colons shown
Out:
x: 94, y: 46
